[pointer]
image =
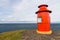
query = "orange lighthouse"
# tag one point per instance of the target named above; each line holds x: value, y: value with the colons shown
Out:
x: 43, y: 20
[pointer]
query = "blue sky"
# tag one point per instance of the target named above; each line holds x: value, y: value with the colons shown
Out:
x: 24, y: 10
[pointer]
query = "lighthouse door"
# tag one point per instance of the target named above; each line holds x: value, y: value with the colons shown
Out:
x: 39, y: 19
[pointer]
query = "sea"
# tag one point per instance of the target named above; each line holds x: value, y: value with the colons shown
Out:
x: 24, y: 26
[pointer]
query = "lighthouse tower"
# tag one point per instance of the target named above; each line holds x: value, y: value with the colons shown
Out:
x: 43, y: 20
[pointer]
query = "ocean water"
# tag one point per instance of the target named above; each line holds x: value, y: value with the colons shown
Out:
x: 26, y: 26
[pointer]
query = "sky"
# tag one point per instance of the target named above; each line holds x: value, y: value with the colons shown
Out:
x: 24, y: 10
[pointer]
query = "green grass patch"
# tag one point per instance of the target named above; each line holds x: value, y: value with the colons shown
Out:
x: 12, y: 35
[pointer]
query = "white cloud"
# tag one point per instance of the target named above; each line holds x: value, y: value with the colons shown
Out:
x: 4, y: 2
x: 25, y: 10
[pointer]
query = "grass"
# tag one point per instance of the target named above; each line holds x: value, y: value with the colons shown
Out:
x: 12, y: 35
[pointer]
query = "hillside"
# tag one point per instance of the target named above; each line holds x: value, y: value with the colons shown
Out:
x: 12, y: 35
x: 28, y: 35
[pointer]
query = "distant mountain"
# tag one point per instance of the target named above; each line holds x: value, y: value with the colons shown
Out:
x: 17, y: 21
x: 23, y: 22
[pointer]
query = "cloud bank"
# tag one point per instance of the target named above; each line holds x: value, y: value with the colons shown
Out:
x: 24, y: 10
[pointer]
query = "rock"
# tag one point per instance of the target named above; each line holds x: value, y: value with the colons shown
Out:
x: 32, y: 35
x: 52, y: 39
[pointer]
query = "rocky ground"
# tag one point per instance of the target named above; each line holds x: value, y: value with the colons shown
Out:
x: 32, y: 35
